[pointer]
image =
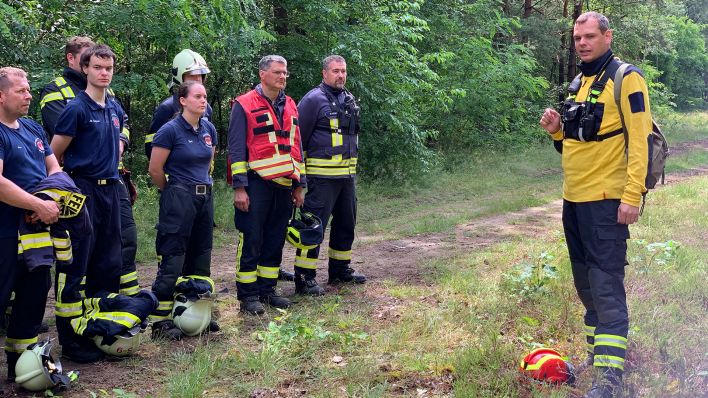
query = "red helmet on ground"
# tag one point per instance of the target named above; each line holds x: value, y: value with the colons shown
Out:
x: 546, y: 364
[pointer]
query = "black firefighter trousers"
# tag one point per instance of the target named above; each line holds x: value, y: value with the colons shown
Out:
x: 31, y: 289
x: 597, y: 246
x: 97, y: 257
x: 129, y: 242
x: 261, y: 237
x: 184, y: 239
x: 327, y: 197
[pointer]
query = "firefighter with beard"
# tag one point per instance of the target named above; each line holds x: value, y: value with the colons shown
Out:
x: 330, y: 123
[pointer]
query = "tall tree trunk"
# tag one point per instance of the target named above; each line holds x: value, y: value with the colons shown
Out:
x: 561, y: 58
x: 572, y: 70
x: 281, y: 19
x: 528, y: 8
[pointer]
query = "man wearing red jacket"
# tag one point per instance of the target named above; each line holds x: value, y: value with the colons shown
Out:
x: 268, y: 178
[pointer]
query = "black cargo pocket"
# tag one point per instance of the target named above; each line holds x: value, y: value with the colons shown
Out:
x: 610, y: 246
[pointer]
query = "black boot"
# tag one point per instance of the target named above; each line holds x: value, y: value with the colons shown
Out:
x: 166, y: 330
x: 252, y: 306
x: 345, y: 275
x: 285, y: 276
x: 607, y: 384
x: 214, y: 326
x: 307, y: 285
x: 82, y: 350
x: 276, y: 301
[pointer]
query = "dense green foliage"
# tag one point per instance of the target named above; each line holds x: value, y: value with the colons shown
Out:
x: 434, y: 77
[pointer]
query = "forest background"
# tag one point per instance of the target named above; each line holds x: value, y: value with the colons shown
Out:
x: 436, y: 79
x: 458, y: 224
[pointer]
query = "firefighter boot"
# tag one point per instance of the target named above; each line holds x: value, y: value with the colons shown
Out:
x: 276, y: 301
x: 607, y: 384
x: 345, y: 275
x: 307, y: 285
x: 252, y: 306
x: 166, y: 330
x: 285, y: 276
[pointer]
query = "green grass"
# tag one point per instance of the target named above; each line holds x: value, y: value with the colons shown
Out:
x: 462, y: 329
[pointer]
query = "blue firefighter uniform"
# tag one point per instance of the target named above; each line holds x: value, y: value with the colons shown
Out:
x: 266, y: 155
x: 186, y: 222
x: 54, y: 98
x: 23, y: 152
x: 91, y: 159
x: 329, y: 124
x: 164, y: 112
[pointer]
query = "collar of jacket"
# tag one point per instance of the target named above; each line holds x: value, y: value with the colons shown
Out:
x: 76, y: 78
x: 278, y: 101
x: 594, y: 67
x: 335, y: 91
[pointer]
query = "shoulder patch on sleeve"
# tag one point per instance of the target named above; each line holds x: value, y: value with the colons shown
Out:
x: 636, y: 102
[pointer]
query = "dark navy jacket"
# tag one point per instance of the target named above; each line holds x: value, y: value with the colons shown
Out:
x: 39, y: 244
x: 331, y: 147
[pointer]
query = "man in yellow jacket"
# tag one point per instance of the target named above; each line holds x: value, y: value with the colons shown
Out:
x: 602, y: 190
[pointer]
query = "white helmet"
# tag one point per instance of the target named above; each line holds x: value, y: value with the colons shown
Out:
x: 187, y: 62
x: 192, y: 317
x: 36, y: 370
x: 125, y: 344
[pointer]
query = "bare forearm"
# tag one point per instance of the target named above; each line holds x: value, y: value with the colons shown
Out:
x: 16, y: 196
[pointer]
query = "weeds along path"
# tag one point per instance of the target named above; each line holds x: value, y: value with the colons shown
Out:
x: 399, y: 261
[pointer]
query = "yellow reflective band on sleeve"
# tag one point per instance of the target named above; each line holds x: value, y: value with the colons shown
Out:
x: 60, y: 81
x: 590, y: 347
x: 67, y: 92
x: 18, y: 345
x: 63, y: 255
x: 246, y: 277
x: 239, y: 168
x: 304, y: 262
x: 609, y: 361
x: 149, y: 137
x: 589, y: 330
x: 56, y: 96
x: 129, y: 291
x: 68, y: 310
x: 268, y: 272
x: 132, y: 276
x: 340, y: 254
x: 611, y: 341
x: 36, y: 241
x: 125, y: 132
x: 60, y: 243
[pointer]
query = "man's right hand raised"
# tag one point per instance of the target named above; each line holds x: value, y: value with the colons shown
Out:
x: 550, y: 121
x: 241, y: 200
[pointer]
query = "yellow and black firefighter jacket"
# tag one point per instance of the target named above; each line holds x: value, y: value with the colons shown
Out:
x: 40, y: 245
x: 329, y: 124
x: 598, y: 169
